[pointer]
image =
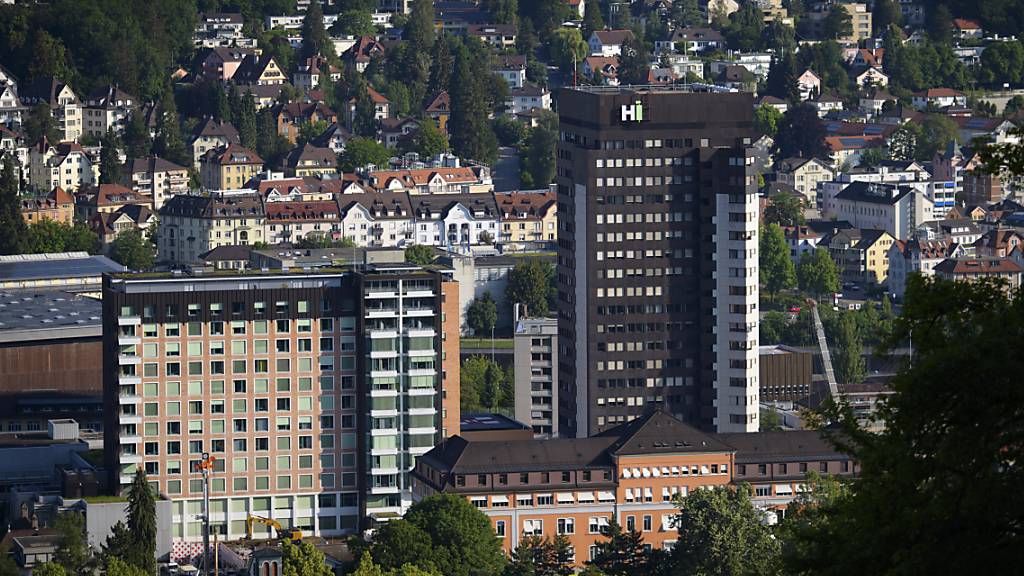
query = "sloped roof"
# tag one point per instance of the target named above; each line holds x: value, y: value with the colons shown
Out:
x: 977, y: 266
x: 525, y: 205
x: 780, y: 446
x: 658, y: 432
x: 152, y: 164
x: 214, y: 128
x: 232, y: 154
x: 613, y: 37
x: 297, y: 211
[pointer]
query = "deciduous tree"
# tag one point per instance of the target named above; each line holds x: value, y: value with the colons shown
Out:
x: 775, y: 265
x: 482, y: 314
x: 303, y: 559
x: 360, y: 152
x: 785, y: 209
x: 13, y: 232
x: 801, y: 133
x: 817, y: 273
x: 530, y: 284
x: 132, y: 250
x: 420, y: 254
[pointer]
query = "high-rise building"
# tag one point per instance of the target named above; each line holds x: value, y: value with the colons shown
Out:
x: 314, y: 390
x: 657, y: 258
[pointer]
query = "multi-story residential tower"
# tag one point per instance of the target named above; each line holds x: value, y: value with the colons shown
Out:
x: 536, y: 375
x: 314, y: 390
x: 657, y: 258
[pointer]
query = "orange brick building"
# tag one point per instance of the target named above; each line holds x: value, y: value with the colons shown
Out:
x: 58, y: 206
x: 634, y: 473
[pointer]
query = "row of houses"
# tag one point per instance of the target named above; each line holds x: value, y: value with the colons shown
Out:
x: 330, y: 211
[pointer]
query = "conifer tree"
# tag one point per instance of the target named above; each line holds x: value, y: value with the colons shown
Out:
x: 142, y: 524
x: 314, y: 35
x: 169, y: 143
x: 472, y: 135
x: 13, y: 231
x: 419, y: 30
x: 110, y: 161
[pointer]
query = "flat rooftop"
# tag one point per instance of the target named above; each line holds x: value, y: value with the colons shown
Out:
x: 26, y: 267
x: 27, y: 315
x: 480, y: 422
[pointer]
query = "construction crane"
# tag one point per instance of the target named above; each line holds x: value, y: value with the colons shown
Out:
x: 205, y: 467
x: 826, y: 359
x: 282, y: 533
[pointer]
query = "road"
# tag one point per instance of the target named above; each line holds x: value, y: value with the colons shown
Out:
x: 506, y: 170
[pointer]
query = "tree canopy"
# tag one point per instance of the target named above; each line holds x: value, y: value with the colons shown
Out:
x: 531, y: 283
x: 775, y: 265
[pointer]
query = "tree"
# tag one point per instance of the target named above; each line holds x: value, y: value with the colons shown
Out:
x: 419, y: 30
x: 939, y: 24
x: 117, y: 545
x: 142, y: 522
x: 849, y: 361
x: 399, y: 543
x: 303, y: 559
x: 1002, y: 62
x: 49, y: 569
x: 721, y: 533
x: 246, y: 121
x: 49, y: 58
x: 73, y: 554
x: 903, y: 143
x: 132, y: 250
x: 539, y: 161
x: 429, y: 140
x: 472, y: 137
x: 354, y: 23
x: 110, y: 161
x: 441, y: 68
x: 592, y: 19
x: 838, y: 24
x: 567, y: 47
x: 13, y: 232
x: 509, y: 131
x: 361, y: 152
x: 39, y: 123
x: 622, y: 553
x: 529, y: 284
x: 482, y: 314
x: 137, y: 140
x: 817, y: 273
x: 937, y: 132
x: 743, y: 32
x: 420, y: 254
x: 781, y: 81
x: 785, y: 209
x: 484, y: 385
x: 118, y: 567
x: 169, y: 143
x: 801, y: 133
x: 775, y: 265
x: 766, y: 119
x: 633, y: 63
x: 885, y: 13
x: 872, y: 157
x: 946, y: 450
x: 771, y: 328
x: 461, y: 539
x: 314, y: 36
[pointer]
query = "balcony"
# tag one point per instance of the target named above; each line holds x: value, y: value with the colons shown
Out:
x: 388, y: 413
x: 420, y: 332
x: 391, y: 333
x: 128, y: 340
x: 421, y: 411
x: 421, y: 353
x: 129, y: 320
x: 418, y: 292
x: 385, y: 490
x: 383, y: 353
x: 381, y: 312
x: 129, y: 380
x: 391, y: 373
x: 421, y: 372
x: 128, y: 398
x: 430, y: 430
x: 383, y: 392
x: 130, y: 458
x: 129, y: 419
x: 129, y: 439
x: 125, y: 359
x: 382, y: 293
x: 418, y: 312
x: 424, y: 391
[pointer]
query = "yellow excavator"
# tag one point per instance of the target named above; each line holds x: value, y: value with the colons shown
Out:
x: 282, y: 533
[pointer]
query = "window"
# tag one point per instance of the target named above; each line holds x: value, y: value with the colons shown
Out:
x: 533, y: 527
x: 499, y: 528
x: 566, y: 526
x: 647, y: 523
x: 597, y: 524
x: 545, y: 500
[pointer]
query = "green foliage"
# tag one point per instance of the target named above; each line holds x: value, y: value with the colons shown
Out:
x: 622, y: 552
x: 482, y: 314
x: 785, y: 209
x: 885, y: 13
x: 310, y: 130
x: 131, y: 249
x: 73, y: 554
x: 142, y: 523
x: 873, y: 157
x: 39, y: 122
x: 817, y: 273
x: 13, y: 232
x: 531, y: 284
x: 775, y: 265
x: 137, y: 140
x: 313, y: 240
x: 539, y: 157
x: 314, y: 36
x: 118, y: 567
x: 721, y: 534
x: 801, y: 133
x: 838, y: 24
x: 360, y: 152
x: 544, y: 16
x: 921, y: 140
x: 420, y: 254
x: 459, y: 540
x: 117, y: 545
x: 354, y: 23
x: 303, y: 559
x: 484, y: 385
x: 419, y: 30
x: 48, y: 236
x: 472, y: 137
x: 744, y: 29
x: 536, y: 556
x: 592, y: 19
x: 429, y: 140
x: 771, y: 328
x: 766, y: 120
x: 633, y: 63
x: 169, y: 143
x: 110, y: 162
x: 501, y: 11
x: 509, y: 131
x: 781, y: 81
x: 825, y: 59
x: 918, y: 67
x: 847, y: 352
x: 566, y: 46
x: 946, y: 452
x: 49, y: 569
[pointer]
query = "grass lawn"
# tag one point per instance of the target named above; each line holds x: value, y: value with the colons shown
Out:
x: 502, y: 343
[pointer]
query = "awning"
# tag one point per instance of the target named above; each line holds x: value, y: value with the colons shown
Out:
x: 665, y: 471
x: 703, y: 469
x: 565, y: 498
x: 605, y: 497
x: 675, y: 470
x: 656, y: 472
x: 499, y: 499
x: 783, y: 489
x: 636, y: 473
x: 626, y: 473
x: 647, y: 472
x: 585, y: 497
x: 667, y: 522
x: 629, y: 494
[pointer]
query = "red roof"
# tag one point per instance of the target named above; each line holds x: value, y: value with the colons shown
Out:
x: 965, y: 24
x: 316, y: 210
x: 938, y: 93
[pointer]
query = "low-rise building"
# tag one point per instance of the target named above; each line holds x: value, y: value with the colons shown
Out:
x: 895, y: 209
x: 212, y: 134
x: 973, y: 269
x: 785, y: 373
x: 377, y: 219
x: 157, y: 178
x: 66, y: 165
x: 512, y: 69
x: 529, y: 97
x: 313, y: 71
x: 289, y: 117
x: 228, y: 167
x: 805, y: 175
x: 917, y: 256
x: 691, y: 40
x: 108, y: 108
x: 809, y: 84
x: 62, y: 100
x: 58, y: 206
x: 193, y: 225
x: 861, y: 255
x: 608, y: 42
x: 109, y: 225
x: 501, y: 36
x: 107, y: 198
x: 939, y: 97
x: 310, y: 160
x: 456, y: 222
x: 289, y: 222
x: 528, y: 217
x: 439, y: 180
x: 535, y: 357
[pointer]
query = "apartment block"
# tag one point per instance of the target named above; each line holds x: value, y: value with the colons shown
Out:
x: 657, y: 258
x: 314, y: 390
x: 535, y: 358
x: 635, y: 473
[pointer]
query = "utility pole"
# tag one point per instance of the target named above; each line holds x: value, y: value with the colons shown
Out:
x: 205, y: 466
